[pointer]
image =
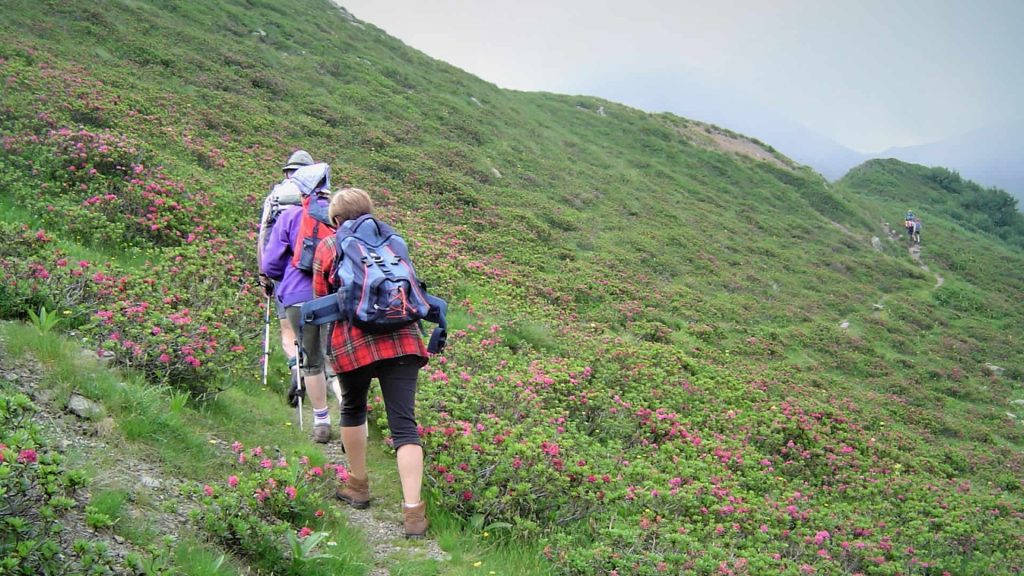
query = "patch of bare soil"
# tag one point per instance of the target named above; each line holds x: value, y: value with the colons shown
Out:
x: 715, y: 138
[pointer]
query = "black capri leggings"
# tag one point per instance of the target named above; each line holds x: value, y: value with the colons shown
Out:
x: 397, y: 378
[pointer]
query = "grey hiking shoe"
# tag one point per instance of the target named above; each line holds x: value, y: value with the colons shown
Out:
x: 322, y: 433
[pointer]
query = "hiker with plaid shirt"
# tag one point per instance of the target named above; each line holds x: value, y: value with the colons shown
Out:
x: 394, y: 358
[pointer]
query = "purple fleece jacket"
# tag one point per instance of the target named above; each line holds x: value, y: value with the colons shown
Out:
x: 294, y: 286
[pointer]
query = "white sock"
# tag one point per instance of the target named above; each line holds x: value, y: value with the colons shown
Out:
x: 321, y: 417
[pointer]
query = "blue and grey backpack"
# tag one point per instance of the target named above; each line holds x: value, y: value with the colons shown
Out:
x: 380, y: 291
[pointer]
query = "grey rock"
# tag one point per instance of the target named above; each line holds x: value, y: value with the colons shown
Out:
x: 101, y: 356
x: 995, y: 370
x: 844, y: 324
x: 150, y: 482
x: 83, y: 407
x: 876, y: 243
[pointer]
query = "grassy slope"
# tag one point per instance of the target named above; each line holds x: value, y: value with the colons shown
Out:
x: 618, y: 233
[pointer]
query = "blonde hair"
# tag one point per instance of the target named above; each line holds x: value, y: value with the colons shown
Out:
x: 349, y: 204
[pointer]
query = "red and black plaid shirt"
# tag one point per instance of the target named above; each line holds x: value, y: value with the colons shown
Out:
x: 349, y: 347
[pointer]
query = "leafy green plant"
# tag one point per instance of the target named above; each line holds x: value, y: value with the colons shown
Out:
x: 303, y: 545
x: 43, y: 321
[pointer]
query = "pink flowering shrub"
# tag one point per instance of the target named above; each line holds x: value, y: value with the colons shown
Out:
x: 34, y: 273
x: 251, y: 510
x: 180, y: 323
x: 174, y: 321
x: 638, y: 461
x: 99, y: 188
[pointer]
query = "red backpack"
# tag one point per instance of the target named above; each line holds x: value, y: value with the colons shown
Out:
x: 314, y: 226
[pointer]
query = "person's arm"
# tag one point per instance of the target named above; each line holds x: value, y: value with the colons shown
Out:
x: 323, y: 267
x: 278, y: 250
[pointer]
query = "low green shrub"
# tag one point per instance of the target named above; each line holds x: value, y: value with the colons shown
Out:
x: 37, y: 491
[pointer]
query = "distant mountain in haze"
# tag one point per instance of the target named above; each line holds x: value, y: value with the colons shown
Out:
x: 992, y: 156
x: 691, y: 95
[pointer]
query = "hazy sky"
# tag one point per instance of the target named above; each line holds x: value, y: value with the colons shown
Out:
x: 869, y: 74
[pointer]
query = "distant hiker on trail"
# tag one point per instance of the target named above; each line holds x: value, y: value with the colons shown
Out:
x: 287, y: 259
x: 394, y: 357
x: 917, y: 230
x: 284, y: 194
x: 908, y: 223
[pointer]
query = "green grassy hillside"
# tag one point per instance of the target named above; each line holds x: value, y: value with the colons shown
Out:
x: 675, y: 350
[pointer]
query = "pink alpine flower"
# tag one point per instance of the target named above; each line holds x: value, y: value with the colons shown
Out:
x: 27, y: 456
x: 232, y: 481
x: 341, y: 473
x: 208, y: 490
x: 305, y: 531
x: 291, y: 492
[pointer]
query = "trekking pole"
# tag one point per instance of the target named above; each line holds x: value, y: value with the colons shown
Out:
x: 301, y: 380
x: 266, y: 341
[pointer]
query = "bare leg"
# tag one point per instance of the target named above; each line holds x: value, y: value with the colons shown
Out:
x: 410, y: 472
x: 287, y: 338
x: 316, y: 389
x: 354, y: 439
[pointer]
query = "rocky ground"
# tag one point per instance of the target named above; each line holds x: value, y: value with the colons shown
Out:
x: 155, y: 497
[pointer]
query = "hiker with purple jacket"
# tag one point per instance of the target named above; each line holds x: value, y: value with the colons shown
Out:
x: 284, y: 194
x: 294, y: 286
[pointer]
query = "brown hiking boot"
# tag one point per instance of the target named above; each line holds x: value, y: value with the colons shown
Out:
x: 415, y: 520
x: 355, y: 492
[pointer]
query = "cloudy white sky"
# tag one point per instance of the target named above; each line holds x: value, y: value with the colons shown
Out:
x: 868, y: 74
